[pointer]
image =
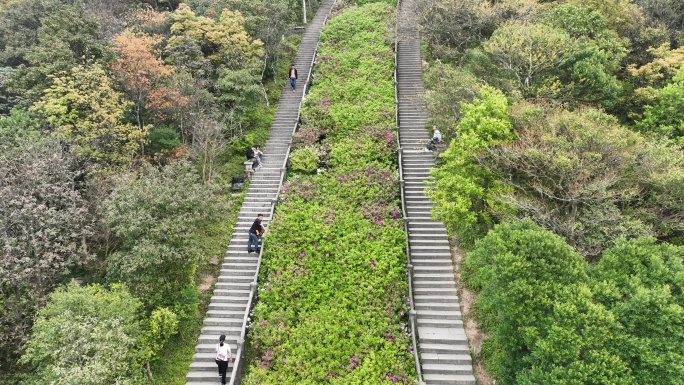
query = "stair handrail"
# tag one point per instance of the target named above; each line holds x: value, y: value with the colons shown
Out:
x: 402, y: 183
x: 238, y: 362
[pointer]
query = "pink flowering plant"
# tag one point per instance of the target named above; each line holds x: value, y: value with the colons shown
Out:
x: 332, y: 302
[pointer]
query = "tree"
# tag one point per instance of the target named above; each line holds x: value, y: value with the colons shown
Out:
x: 528, y: 51
x: 668, y: 12
x: 85, y: 336
x: 264, y: 20
x: 535, y: 303
x: 461, y: 188
x: 84, y: 108
x: 642, y: 283
x: 666, y: 115
x: 67, y: 37
x: 209, y: 141
x: 448, y: 88
x: 452, y: 26
x: 155, y: 218
x: 578, y: 174
x: 138, y: 69
x: 44, y: 226
x: 589, y: 76
x: 240, y: 93
x: 224, y: 42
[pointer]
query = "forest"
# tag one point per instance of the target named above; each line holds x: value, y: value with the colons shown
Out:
x: 563, y: 181
x: 121, y: 124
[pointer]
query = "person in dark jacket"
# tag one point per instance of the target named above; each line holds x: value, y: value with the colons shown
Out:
x: 292, y: 75
x: 255, y: 232
x: 253, y: 156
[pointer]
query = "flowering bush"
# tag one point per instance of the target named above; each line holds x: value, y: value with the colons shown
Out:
x: 304, y: 159
x: 333, y: 301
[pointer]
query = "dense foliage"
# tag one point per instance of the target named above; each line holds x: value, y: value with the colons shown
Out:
x: 91, y: 335
x: 563, y: 181
x: 332, y: 302
x: 553, y: 318
x: 118, y: 120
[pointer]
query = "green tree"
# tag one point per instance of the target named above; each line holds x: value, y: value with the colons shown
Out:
x: 462, y: 188
x: 83, y: 107
x: 527, y: 52
x: 85, y: 336
x: 642, y: 283
x: 589, y: 75
x: 536, y: 305
x: 156, y: 217
x: 575, y: 173
x: 668, y: 12
x: 67, y: 37
x: 448, y: 89
x: 666, y: 115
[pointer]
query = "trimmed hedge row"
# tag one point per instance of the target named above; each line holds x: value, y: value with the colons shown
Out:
x: 333, y: 301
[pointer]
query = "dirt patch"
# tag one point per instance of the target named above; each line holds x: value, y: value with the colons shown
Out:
x: 207, y: 279
x: 474, y: 335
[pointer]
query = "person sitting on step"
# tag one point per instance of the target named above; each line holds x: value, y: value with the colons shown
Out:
x: 252, y: 156
x: 436, y: 139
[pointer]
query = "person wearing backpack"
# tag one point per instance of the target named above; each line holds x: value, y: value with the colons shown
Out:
x: 223, y: 357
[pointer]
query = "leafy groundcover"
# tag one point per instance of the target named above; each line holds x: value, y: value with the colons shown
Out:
x: 333, y: 301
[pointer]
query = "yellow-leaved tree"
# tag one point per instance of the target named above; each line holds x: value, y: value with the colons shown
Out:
x: 87, y: 112
x: 224, y: 42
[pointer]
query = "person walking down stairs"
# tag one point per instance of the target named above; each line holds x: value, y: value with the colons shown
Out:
x: 292, y: 75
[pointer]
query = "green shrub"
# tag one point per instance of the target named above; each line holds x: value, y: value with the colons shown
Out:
x: 304, y: 160
x: 536, y: 304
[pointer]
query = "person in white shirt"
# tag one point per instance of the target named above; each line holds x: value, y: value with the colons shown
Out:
x: 436, y: 138
x: 436, y: 135
x: 223, y: 356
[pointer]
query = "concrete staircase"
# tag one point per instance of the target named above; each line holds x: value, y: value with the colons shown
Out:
x: 237, y: 279
x: 442, y: 343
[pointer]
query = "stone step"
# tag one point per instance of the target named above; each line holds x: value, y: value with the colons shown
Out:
x: 233, y: 314
x: 439, y: 322
x: 430, y: 332
x: 211, y: 347
x: 430, y: 249
x: 216, y: 321
x: 210, y: 366
x: 449, y: 379
x: 447, y: 369
x: 239, y: 266
x: 429, y: 284
x: 444, y: 263
x: 435, y: 291
x: 460, y: 353
x: 436, y: 306
x: 445, y: 298
x: 204, y: 377
x: 229, y: 306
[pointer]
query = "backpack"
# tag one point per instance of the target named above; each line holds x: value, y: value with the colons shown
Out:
x: 250, y: 153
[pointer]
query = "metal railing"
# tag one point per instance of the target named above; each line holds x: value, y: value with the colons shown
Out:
x: 238, y: 364
x: 409, y: 266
